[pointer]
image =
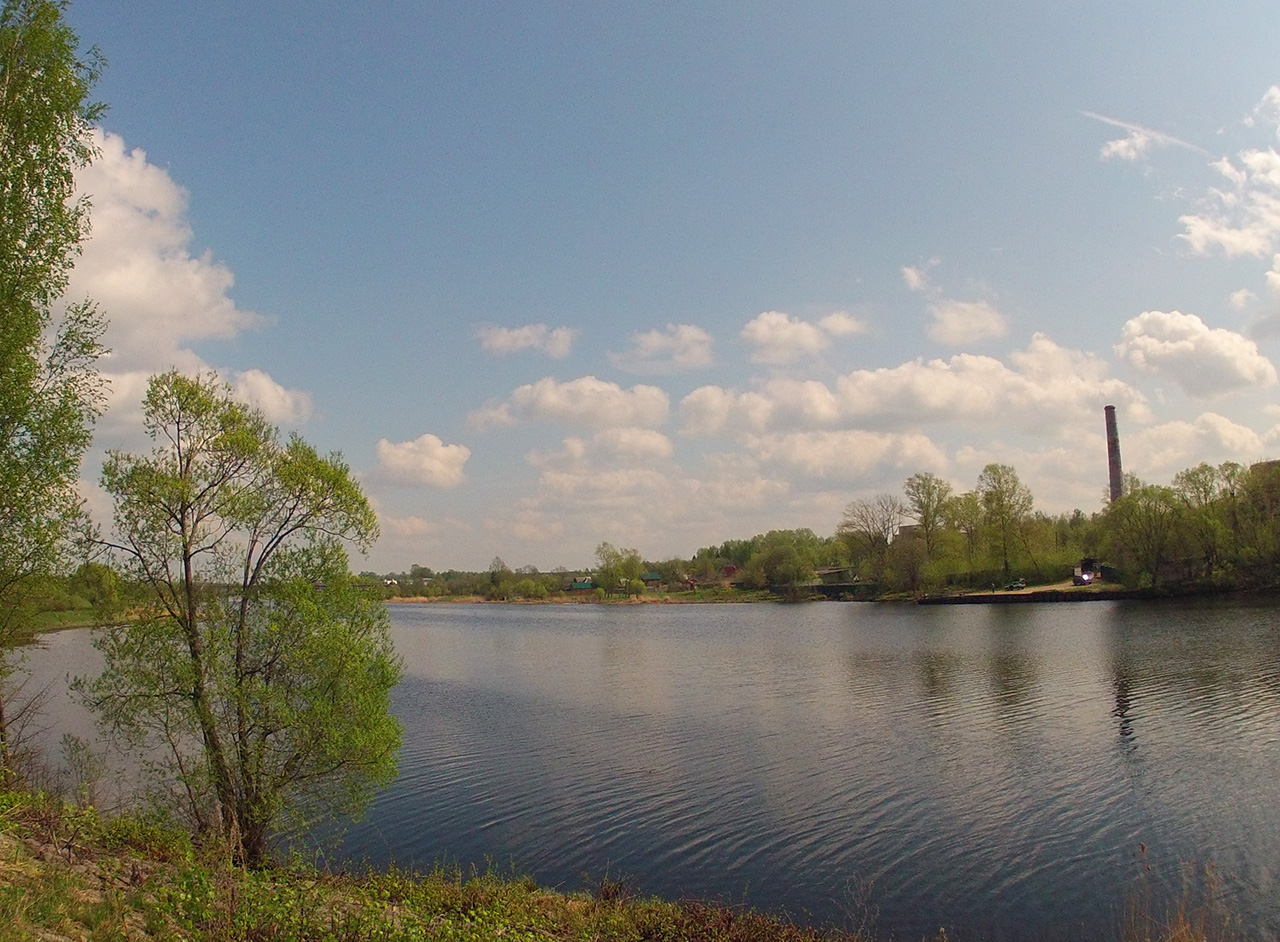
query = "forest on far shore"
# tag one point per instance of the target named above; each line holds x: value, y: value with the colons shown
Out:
x: 1211, y: 526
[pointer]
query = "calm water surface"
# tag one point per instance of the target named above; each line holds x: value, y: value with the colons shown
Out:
x: 993, y: 770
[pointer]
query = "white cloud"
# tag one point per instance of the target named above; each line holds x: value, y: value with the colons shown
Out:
x: 1239, y: 300
x: 425, y: 461
x: 585, y: 401
x: 842, y: 324
x: 1046, y: 389
x: 554, y: 342
x: 1204, y: 361
x: 1158, y: 452
x: 679, y: 347
x: 916, y: 277
x: 634, y: 444
x: 1273, y: 278
x: 137, y: 265
x: 955, y: 323
x: 779, y: 338
x: 1267, y: 110
x: 280, y: 406
x: 850, y: 453
x: 1245, y: 218
x: 411, y: 526
x: 158, y: 297
x: 1138, y: 140
x: 961, y: 322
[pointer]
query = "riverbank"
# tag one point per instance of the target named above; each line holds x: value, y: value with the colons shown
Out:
x: 1071, y: 593
x: 69, y: 873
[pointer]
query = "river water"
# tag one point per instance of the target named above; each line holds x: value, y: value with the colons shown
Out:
x: 1006, y: 772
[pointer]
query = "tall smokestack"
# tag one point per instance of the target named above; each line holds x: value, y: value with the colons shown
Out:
x: 1113, y: 454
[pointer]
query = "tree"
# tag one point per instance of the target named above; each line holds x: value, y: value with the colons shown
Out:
x: 1006, y: 505
x: 1143, y: 525
x: 50, y: 393
x: 257, y: 663
x: 1200, y: 489
x: 618, y: 568
x: 927, y: 496
x: 964, y: 515
x: 868, y: 527
x: 785, y: 559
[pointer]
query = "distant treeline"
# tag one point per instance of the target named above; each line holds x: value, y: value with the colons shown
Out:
x: 1212, y: 525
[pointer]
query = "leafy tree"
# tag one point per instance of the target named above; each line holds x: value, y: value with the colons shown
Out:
x: 785, y: 559
x: 618, y: 568
x: 257, y: 662
x: 927, y: 496
x: 1200, y: 490
x: 49, y: 391
x: 1142, y: 524
x: 1006, y: 505
x: 964, y: 516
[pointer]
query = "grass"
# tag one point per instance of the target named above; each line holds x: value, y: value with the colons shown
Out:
x: 69, y: 873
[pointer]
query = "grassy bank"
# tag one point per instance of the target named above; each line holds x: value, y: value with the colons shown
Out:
x: 69, y: 873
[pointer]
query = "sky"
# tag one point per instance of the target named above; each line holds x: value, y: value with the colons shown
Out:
x: 552, y: 273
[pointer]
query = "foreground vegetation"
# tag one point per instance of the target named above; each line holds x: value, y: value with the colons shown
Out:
x: 68, y: 872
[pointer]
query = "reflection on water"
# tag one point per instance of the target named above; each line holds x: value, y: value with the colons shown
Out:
x: 991, y: 770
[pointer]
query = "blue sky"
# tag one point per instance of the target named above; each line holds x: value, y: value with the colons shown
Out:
x: 549, y: 274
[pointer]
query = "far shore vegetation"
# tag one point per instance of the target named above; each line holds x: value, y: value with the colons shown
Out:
x: 1211, y: 529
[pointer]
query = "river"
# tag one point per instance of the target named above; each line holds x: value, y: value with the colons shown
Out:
x: 1006, y: 772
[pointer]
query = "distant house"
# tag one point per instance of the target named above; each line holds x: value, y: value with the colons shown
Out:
x: 582, y: 585
x: 651, y: 580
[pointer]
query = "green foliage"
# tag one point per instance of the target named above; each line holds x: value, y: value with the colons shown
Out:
x: 257, y: 662
x: 618, y: 569
x: 50, y: 393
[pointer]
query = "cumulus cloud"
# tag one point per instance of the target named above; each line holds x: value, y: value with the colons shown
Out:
x: 555, y: 342
x: 779, y: 338
x: 583, y: 401
x: 634, y: 444
x: 1244, y: 217
x: 424, y: 462
x: 158, y: 296
x: 138, y: 265
x: 1239, y: 300
x: 679, y: 347
x: 1138, y: 140
x: 1204, y: 361
x: 956, y: 323
x: 848, y: 453
x: 281, y: 406
x: 1160, y: 451
x: 1044, y: 389
x: 842, y: 324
